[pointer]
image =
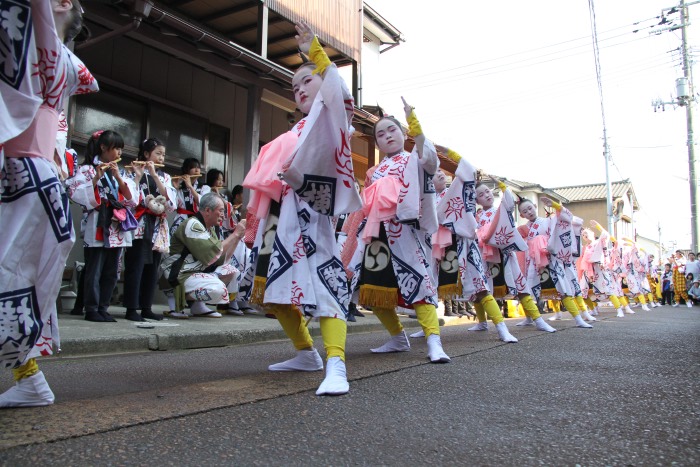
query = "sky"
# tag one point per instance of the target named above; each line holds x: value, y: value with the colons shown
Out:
x: 512, y: 87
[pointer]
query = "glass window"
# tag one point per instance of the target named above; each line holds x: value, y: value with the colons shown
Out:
x: 217, y: 150
x: 182, y: 134
x: 108, y: 110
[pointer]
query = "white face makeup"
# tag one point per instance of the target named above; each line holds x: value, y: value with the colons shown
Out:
x: 484, y: 197
x: 305, y: 86
x: 389, y: 137
x: 440, y: 181
x: 528, y: 210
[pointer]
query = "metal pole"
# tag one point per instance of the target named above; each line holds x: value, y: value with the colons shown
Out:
x: 693, y: 179
x: 608, y: 188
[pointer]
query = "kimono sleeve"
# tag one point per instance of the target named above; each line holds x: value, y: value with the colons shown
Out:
x: 429, y: 162
x: 80, y: 188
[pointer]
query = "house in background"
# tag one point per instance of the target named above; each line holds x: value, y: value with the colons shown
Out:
x: 589, y: 202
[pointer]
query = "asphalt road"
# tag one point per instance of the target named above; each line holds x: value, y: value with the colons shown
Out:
x: 623, y: 393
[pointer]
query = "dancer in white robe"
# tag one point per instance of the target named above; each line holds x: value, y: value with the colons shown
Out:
x: 39, y: 76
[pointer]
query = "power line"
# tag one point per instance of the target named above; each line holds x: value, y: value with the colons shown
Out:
x: 485, y: 71
x: 534, y: 50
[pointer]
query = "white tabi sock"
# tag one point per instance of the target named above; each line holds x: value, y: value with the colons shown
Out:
x: 305, y: 360
x: 587, y: 316
x: 397, y: 343
x: 620, y: 313
x: 580, y: 323
x: 336, y: 381
x: 32, y: 391
x: 543, y: 326
x: 629, y: 310
x: 526, y: 322
x: 417, y: 334
x: 481, y: 326
x: 504, y: 334
x: 435, y: 352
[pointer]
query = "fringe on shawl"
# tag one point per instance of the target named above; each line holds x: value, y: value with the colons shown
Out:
x: 450, y: 291
x: 258, y: 295
x: 381, y: 297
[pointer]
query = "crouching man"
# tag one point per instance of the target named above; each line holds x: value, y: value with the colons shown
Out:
x: 199, y: 263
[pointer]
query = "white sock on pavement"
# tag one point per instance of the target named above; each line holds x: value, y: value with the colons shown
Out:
x: 397, y: 343
x: 526, y: 322
x: 336, y: 381
x: 581, y: 323
x: 435, y: 352
x: 504, y: 334
x: 481, y: 326
x: 305, y: 360
x: 543, y: 326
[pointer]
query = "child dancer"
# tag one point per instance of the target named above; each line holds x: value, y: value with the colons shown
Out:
x: 555, y: 242
x: 456, y: 211
x: 36, y: 227
x: 100, y: 187
x: 392, y: 262
x: 500, y: 240
x: 157, y: 198
x: 631, y: 265
x: 594, y: 274
x: 299, y: 181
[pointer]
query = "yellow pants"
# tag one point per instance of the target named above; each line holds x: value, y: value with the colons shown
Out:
x: 590, y: 303
x: 580, y: 303
x: 616, y: 301
x: 570, y: 306
x: 488, y: 306
x: 641, y: 299
x: 333, y: 330
x: 25, y: 371
x: 529, y: 306
x: 426, y: 314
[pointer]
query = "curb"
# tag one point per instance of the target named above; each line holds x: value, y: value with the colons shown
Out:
x: 197, y: 340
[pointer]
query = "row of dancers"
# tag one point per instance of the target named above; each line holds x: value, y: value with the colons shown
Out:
x: 409, y: 242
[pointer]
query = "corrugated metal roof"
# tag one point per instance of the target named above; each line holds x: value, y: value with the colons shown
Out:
x: 597, y: 191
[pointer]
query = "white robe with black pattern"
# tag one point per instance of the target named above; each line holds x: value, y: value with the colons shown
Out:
x: 305, y: 269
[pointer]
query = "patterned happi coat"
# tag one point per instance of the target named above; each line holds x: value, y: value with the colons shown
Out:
x: 615, y: 268
x: 38, y: 76
x: 595, y: 280
x: 634, y: 272
x: 508, y: 240
x: 394, y: 268
x: 455, y: 210
x: 298, y: 183
x: 540, y: 278
x: 563, y: 247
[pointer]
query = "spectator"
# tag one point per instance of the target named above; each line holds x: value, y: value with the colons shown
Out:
x: 692, y: 266
x: 200, y: 262
x: 667, y: 285
x: 694, y: 292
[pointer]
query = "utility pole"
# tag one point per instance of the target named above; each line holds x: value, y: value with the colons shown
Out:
x: 686, y: 98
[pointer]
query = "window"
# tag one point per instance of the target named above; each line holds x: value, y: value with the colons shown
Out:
x: 217, y: 149
x: 109, y: 111
x: 182, y: 134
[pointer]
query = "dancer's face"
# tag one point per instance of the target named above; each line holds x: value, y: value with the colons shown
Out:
x: 484, y: 196
x: 439, y: 181
x: 389, y: 137
x: 528, y: 211
x: 305, y: 86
